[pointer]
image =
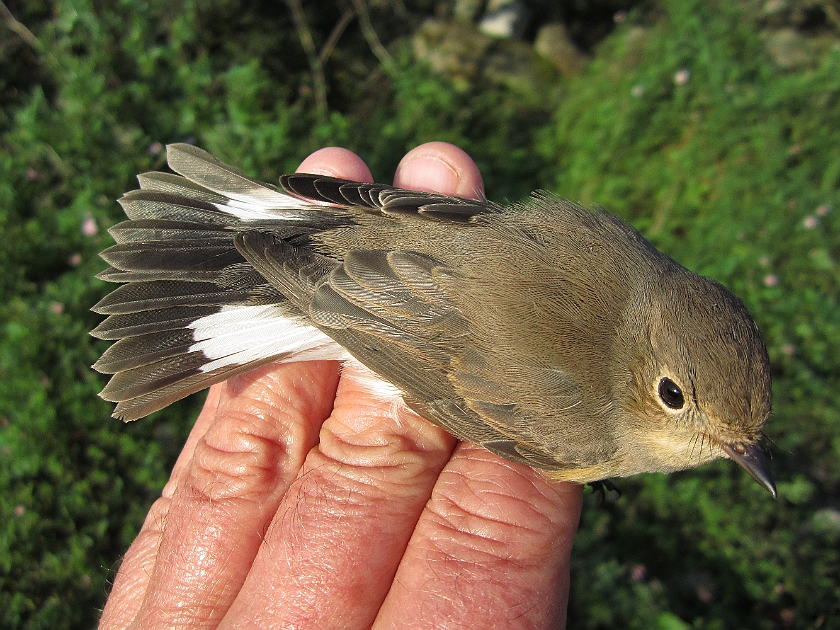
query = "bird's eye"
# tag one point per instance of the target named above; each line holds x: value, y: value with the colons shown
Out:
x: 671, y: 394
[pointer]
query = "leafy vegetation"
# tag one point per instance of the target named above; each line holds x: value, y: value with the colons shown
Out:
x: 684, y: 122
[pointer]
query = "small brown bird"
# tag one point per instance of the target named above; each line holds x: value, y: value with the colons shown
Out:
x: 550, y: 334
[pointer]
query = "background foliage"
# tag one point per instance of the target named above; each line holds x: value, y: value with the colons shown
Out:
x: 686, y: 121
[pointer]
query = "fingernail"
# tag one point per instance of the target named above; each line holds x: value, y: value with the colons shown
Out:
x: 424, y: 172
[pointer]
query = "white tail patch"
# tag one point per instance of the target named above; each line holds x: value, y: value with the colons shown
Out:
x: 237, y: 335
x: 252, y: 210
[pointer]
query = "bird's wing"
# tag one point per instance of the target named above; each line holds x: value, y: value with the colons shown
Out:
x: 388, y: 310
x: 387, y: 200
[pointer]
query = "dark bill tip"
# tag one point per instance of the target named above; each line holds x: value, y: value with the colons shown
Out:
x: 751, y: 458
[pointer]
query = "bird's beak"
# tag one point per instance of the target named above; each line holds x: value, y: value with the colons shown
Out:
x: 751, y: 458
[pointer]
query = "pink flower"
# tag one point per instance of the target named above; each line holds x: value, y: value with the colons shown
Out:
x: 89, y: 227
x: 682, y: 76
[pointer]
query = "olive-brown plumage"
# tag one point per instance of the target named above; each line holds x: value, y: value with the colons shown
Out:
x: 550, y: 334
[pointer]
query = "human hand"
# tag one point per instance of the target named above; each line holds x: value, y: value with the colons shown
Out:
x: 303, y: 500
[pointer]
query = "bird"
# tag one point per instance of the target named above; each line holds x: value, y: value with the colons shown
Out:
x: 551, y: 334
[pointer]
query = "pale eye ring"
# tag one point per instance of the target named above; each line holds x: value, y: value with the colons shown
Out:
x: 671, y: 394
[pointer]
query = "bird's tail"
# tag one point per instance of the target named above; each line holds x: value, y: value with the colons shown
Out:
x: 193, y: 311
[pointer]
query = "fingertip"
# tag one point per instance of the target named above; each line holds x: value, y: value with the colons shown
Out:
x: 336, y: 162
x: 440, y: 167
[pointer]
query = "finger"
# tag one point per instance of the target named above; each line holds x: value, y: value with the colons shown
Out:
x: 491, y: 547
x: 440, y: 167
x: 138, y: 565
x: 334, y: 546
x: 336, y: 162
x: 264, y: 425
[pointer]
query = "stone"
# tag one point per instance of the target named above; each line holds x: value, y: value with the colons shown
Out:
x: 554, y: 44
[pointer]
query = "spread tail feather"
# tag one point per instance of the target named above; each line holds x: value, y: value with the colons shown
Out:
x: 193, y: 312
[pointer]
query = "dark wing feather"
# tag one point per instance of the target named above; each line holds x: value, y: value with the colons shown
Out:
x: 294, y: 271
x: 388, y: 200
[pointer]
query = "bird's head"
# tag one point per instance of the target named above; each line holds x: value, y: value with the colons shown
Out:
x: 698, y: 383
